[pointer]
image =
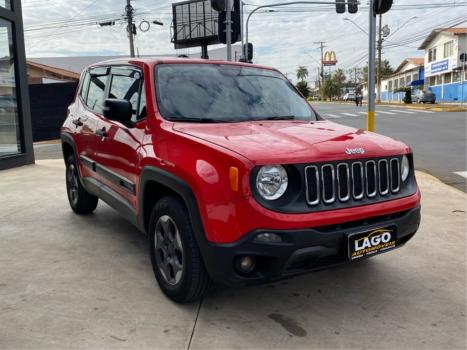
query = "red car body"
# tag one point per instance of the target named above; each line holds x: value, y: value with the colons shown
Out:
x: 202, y: 157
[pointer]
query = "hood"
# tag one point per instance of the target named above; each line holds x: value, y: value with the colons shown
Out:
x: 287, y: 142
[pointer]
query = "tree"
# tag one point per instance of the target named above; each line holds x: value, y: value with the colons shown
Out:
x: 339, y: 78
x: 329, y: 89
x: 302, y: 73
x: 302, y: 86
x: 386, y: 70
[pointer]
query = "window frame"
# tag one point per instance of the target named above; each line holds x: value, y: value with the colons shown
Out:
x: 106, y: 92
x: 450, y: 46
x: 141, y: 86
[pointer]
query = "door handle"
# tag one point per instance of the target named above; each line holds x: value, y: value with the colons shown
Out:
x: 101, y: 132
x: 77, y: 122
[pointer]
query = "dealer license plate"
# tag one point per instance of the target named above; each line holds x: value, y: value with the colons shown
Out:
x: 372, y: 242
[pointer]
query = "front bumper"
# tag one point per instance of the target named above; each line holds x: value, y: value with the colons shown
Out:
x: 301, y: 250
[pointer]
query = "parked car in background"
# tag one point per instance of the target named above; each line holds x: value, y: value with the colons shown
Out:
x: 423, y: 96
x: 349, y: 97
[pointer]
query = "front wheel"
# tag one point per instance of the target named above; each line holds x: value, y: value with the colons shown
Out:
x: 80, y: 200
x: 175, y: 256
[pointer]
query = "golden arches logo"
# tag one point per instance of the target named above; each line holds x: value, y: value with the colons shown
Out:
x: 329, y: 58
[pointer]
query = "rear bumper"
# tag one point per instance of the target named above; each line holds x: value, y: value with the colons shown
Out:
x: 301, y: 251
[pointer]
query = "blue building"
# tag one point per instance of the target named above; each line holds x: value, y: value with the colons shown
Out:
x: 411, y: 72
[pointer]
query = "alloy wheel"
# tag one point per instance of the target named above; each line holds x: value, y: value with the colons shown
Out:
x: 169, y: 250
x: 72, y: 180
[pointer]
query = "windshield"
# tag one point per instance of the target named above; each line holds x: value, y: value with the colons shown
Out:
x: 226, y: 93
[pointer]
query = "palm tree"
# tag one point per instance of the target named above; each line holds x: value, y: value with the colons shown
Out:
x: 302, y: 73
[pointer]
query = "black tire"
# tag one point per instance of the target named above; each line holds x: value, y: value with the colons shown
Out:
x: 81, y: 201
x: 177, y: 263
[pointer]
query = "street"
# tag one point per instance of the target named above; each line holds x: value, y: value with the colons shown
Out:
x: 438, y: 139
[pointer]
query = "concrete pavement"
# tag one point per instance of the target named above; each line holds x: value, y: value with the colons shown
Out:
x: 86, y: 282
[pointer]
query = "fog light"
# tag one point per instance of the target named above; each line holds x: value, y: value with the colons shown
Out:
x: 268, y: 238
x: 246, y: 264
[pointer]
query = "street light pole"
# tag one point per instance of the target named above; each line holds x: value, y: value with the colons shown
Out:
x: 275, y: 5
x: 228, y: 29
x: 370, y: 122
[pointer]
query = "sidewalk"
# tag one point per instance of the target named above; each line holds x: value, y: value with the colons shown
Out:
x: 427, y: 107
x: 86, y: 282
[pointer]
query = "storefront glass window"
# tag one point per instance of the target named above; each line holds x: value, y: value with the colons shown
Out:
x: 6, y: 4
x: 10, y: 136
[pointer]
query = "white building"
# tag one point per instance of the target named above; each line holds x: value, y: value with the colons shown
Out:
x: 443, y: 68
x: 409, y: 73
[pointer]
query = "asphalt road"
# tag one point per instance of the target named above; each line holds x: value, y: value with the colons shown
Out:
x: 438, y: 139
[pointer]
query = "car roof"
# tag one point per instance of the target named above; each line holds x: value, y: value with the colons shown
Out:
x: 152, y: 61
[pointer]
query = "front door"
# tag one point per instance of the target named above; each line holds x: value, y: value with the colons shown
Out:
x: 118, y: 153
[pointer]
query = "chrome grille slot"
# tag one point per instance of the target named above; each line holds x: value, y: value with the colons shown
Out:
x: 328, y: 183
x: 383, y: 177
x: 312, y: 185
x: 395, y: 175
x: 353, y: 182
x: 371, y: 178
x: 357, y: 180
x: 343, y: 182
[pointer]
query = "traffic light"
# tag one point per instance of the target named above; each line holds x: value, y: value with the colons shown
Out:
x: 340, y: 6
x: 235, y: 18
x: 218, y: 5
x: 352, y: 6
x: 382, y: 6
x: 248, y: 49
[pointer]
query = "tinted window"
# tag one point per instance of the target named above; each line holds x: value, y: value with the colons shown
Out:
x: 227, y: 93
x: 127, y: 85
x: 96, y: 93
x: 85, y: 87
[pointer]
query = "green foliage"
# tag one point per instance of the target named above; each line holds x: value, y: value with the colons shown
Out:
x: 302, y: 86
x: 339, y: 78
x: 329, y: 89
x: 302, y: 73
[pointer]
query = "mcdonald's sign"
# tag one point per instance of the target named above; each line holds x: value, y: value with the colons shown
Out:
x: 329, y: 58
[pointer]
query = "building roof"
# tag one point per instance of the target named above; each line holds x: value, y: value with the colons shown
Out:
x: 54, y: 71
x: 434, y: 33
x: 418, y: 61
x: 78, y: 63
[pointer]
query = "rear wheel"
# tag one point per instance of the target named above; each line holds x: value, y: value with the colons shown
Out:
x: 175, y: 256
x: 80, y: 200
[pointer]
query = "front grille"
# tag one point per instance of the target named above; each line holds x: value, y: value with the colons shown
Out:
x: 352, y: 181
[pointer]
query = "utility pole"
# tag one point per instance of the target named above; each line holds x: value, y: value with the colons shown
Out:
x: 370, y: 122
x: 321, y: 43
x: 130, y: 28
x: 380, y: 48
x: 228, y: 28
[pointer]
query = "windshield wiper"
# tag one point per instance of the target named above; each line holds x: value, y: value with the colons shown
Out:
x: 196, y: 120
x: 278, y: 117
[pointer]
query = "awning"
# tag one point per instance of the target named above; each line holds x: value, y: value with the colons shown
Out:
x: 417, y: 82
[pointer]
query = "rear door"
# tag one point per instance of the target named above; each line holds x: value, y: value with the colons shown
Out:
x: 119, y: 150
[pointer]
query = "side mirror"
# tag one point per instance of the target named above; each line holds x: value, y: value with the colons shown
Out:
x: 118, y: 110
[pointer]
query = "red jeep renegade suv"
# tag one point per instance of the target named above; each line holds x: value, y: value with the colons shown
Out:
x: 231, y: 173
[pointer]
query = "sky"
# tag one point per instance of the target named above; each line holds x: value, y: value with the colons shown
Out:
x: 284, y: 39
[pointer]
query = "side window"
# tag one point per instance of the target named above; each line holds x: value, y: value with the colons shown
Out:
x: 85, y: 87
x: 128, y: 84
x: 96, y: 92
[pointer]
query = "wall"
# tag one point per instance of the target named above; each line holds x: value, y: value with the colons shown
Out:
x: 450, y: 92
x: 49, y: 103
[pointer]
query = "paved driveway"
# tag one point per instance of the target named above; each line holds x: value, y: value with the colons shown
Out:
x: 86, y: 282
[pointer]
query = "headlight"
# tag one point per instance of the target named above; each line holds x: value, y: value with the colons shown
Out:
x: 405, y: 168
x: 271, y: 181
